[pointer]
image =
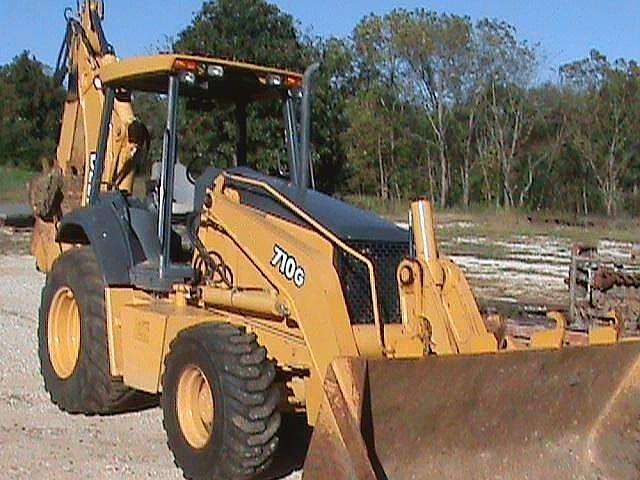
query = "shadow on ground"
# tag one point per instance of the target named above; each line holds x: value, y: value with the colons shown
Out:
x: 294, y: 442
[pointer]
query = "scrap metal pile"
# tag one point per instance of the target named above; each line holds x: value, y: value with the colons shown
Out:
x: 603, y: 290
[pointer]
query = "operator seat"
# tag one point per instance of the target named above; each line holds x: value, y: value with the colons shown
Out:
x: 183, y: 189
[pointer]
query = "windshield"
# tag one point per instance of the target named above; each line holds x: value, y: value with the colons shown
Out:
x: 260, y: 134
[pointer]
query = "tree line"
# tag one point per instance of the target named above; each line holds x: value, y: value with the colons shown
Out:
x: 411, y: 103
x: 30, y: 112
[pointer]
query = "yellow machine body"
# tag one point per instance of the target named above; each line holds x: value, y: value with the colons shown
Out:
x: 439, y: 395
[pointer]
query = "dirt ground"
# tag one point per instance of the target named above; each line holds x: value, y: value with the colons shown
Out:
x: 38, y: 441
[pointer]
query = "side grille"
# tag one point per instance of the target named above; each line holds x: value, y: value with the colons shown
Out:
x: 356, y: 287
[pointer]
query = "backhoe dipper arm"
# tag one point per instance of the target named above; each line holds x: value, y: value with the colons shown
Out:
x: 84, y: 51
x: 88, y: 51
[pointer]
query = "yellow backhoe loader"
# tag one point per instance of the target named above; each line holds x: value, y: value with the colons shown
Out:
x: 286, y: 300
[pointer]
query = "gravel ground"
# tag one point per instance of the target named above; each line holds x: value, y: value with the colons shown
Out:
x: 39, y: 441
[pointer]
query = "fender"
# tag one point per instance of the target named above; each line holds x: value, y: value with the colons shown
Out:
x: 106, y: 227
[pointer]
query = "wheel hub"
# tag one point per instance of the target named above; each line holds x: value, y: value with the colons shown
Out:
x: 63, y: 333
x: 195, y: 405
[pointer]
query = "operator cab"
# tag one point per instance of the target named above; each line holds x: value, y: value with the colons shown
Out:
x: 155, y: 262
x: 177, y: 190
x: 203, y: 84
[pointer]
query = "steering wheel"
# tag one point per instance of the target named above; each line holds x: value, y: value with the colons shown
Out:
x: 190, y: 171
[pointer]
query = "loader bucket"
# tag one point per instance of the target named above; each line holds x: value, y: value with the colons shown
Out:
x: 563, y: 414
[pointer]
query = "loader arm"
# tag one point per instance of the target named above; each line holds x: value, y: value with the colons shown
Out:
x: 462, y: 407
x: 314, y: 301
x: 478, y: 408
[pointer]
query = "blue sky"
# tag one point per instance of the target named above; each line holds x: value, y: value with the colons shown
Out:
x: 566, y: 29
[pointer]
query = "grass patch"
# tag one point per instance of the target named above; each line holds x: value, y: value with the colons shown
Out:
x: 13, y: 184
x: 502, y: 224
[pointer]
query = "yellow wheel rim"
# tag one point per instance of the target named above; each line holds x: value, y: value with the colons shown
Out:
x: 194, y: 402
x: 63, y: 333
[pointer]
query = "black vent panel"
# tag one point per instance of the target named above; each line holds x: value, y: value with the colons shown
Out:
x: 356, y: 287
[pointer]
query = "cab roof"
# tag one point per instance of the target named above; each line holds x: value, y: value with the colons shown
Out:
x: 205, y: 77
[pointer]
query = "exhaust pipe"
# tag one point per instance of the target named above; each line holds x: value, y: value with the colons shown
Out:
x: 305, y: 140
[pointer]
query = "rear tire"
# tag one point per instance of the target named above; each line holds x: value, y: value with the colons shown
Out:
x: 235, y: 376
x: 84, y: 385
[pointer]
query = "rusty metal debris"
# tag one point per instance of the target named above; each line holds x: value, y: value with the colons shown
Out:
x: 601, y: 288
x: 606, y: 278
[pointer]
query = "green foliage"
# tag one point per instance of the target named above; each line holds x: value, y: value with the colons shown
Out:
x: 441, y: 96
x: 30, y: 113
x: 244, y: 30
x: 412, y: 103
x: 13, y: 184
x: 604, y: 124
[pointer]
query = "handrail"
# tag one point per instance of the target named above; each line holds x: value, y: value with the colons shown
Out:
x: 329, y: 235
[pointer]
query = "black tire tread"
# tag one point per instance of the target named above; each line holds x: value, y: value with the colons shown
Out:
x: 250, y: 399
x: 94, y: 391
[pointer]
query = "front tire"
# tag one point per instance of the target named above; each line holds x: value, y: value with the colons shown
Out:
x: 220, y: 404
x: 72, y: 341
